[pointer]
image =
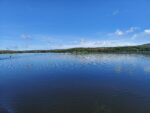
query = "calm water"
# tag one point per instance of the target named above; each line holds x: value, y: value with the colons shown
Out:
x: 66, y: 83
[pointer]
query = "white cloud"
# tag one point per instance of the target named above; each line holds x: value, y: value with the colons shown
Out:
x: 147, y: 31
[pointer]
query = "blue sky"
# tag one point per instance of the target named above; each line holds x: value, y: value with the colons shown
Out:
x: 50, y: 24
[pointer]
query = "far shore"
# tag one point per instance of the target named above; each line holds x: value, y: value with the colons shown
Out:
x: 125, y: 49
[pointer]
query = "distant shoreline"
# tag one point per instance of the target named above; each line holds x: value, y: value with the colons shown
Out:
x: 125, y: 49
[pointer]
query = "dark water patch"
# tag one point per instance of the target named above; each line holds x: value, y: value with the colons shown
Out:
x: 3, y: 110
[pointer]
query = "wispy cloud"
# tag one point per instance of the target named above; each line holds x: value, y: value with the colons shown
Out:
x: 132, y: 29
x: 96, y: 43
x: 13, y: 47
x: 120, y: 37
x: 116, y: 12
x: 147, y: 31
x: 25, y: 36
x: 119, y: 32
x: 134, y: 36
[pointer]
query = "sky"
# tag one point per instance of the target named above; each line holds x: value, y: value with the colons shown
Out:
x: 53, y: 24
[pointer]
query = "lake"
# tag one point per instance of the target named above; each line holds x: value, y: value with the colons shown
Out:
x: 74, y: 83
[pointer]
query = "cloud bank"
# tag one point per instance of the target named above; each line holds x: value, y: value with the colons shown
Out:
x: 120, y: 37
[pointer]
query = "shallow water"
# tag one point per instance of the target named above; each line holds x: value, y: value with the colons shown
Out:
x: 67, y: 83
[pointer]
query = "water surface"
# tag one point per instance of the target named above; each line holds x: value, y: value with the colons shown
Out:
x: 69, y: 83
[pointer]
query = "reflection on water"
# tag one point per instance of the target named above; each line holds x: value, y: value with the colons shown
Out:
x: 147, y: 69
x: 68, y: 83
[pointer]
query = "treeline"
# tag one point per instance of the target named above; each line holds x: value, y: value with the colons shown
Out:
x: 106, y: 49
x: 23, y: 51
x: 127, y: 49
